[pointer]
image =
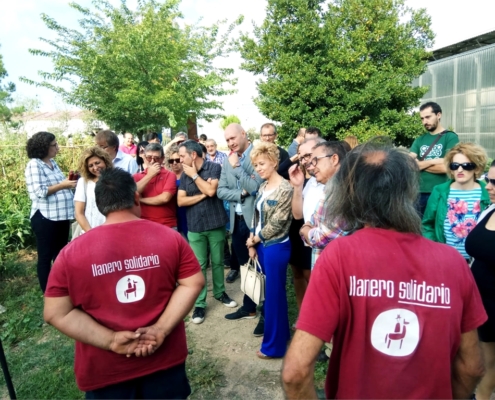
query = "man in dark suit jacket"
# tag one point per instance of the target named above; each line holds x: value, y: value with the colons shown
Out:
x: 268, y: 133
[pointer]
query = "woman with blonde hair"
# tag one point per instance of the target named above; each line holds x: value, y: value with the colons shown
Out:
x: 269, y: 241
x: 91, y: 163
x: 454, y: 206
x: 352, y: 141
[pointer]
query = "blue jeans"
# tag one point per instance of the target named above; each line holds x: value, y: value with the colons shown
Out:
x: 274, y: 260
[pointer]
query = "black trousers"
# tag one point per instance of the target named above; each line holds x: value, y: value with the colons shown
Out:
x: 239, y: 237
x: 170, y: 383
x: 51, y: 237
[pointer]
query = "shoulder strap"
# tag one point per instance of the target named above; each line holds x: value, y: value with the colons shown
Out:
x: 432, y: 145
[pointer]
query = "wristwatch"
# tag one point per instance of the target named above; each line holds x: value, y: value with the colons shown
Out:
x: 195, y: 177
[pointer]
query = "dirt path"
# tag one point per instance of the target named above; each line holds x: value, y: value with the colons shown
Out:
x: 246, y: 376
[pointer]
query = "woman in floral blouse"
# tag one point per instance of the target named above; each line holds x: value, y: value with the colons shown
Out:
x: 454, y: 206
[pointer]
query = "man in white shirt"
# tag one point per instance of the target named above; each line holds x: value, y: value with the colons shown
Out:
x: 109, y: 142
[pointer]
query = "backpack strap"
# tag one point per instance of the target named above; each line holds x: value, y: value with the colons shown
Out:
x: 429, y: 149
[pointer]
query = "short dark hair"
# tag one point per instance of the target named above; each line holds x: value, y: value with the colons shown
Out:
x: 203, y: 137
x: 333, y: 147
x: 434, y: 107
x: 114, y: 191
x: 376, y: 185
x: 152, y: 136
x: 139, y: 159
x: 109, y: 137
x: 312, y: 130
x: 192, y: 145
x: 269, y: 124
x: 38, y: 145
x: 203, y: 148
x: 155, y: 147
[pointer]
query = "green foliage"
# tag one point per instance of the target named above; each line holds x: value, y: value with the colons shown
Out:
x: 6, y: 90
x: 345, y: 66
x: 138, y: 70
x: 229, y: 119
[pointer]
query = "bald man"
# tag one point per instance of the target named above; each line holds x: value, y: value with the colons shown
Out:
x: 238, y: 185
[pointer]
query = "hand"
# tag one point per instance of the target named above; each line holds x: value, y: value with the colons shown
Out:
x: 189, y: 171
x: 252, y: 253
x: 234, y: 159
x: 251, y: 242
x: 177, y: 139
x: 296, y: 176
x: 151, y: 338
x: 124, y: 342
x: 294, y: 158
x: 305, y: 229
x: 69, y: 184
x: 153, y: 169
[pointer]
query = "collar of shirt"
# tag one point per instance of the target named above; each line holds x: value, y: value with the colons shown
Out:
x: 119, y: 156
x: 243, y: 156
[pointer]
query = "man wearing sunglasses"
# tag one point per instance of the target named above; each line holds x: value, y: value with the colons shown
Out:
x: 157, y: 188
x: 429, y: 151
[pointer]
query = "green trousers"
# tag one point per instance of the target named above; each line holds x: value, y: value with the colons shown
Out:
x: 199, y: 242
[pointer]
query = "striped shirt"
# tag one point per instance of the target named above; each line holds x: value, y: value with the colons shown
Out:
x: 58, y: 206
x: 462, y: 213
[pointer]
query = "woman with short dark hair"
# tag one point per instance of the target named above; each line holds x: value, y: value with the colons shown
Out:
x: 140, y: 154
x: 52, y: 201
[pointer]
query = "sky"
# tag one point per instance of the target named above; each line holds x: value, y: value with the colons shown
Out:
x: 21, y: 27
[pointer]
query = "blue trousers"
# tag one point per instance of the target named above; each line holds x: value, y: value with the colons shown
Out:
x: 274, y: 260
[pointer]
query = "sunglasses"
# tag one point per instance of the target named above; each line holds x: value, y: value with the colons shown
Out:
x: 174, y: 160
x: 491, y: 181
x: 153, y: 158
x: 467, y: 166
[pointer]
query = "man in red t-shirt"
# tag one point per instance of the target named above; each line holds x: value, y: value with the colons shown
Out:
x: 402, y: 310
x: 158, y: 189
x: 122, y: 296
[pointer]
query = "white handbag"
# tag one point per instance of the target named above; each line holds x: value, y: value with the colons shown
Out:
x: 253, y: 281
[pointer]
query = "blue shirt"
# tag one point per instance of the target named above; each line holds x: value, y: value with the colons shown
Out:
x: 125, y: 162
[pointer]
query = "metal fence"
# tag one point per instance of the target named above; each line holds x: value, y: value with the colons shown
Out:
x: 464, y: 86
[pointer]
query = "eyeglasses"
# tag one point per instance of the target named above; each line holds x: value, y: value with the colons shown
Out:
x: 153, y: 158
x: 174, y: 160
x: 491, y: 181
x: 467, y: 166
x: 268, y: 136
x: 305, y: 157
x: 141, y: 151
x: 315, y: 160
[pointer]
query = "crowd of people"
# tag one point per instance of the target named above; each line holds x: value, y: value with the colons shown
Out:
x: 380, y: 242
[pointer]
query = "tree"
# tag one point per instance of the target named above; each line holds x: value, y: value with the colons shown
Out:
x: 6, y: 91
x: 345, y: 66
x: 229, y: 119
x: 138, y: 70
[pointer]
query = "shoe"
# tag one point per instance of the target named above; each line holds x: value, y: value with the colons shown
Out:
x: 232, y: 276
x: 227, y: 301
x: 198, y: 315
x: 241, y: 314
x: 322, y: 357
x: 259, y: 354
x: 260, y: 328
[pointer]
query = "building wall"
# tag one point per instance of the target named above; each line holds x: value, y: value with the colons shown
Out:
x: 464, y: 86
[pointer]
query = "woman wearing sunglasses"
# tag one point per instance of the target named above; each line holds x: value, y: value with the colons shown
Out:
x: 140, y: 155
x: 172, y: 162
x: 479, y: 245
x: 454, y: 206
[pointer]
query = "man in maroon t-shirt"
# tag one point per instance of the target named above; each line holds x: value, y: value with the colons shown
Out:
x: 158, y: 188
x: 123, y: 295
x: 402, y: 310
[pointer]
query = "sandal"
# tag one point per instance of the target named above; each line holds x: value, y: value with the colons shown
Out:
x: 259, y: 354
